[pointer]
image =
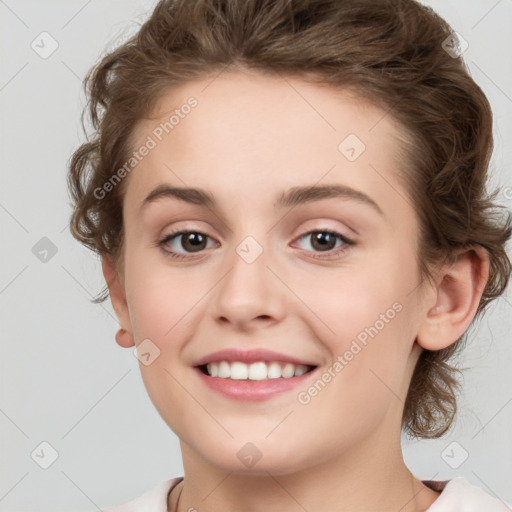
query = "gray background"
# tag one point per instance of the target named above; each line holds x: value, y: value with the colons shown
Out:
x: 64, y: 380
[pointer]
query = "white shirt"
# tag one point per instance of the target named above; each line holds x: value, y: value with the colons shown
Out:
x: 458, y: 495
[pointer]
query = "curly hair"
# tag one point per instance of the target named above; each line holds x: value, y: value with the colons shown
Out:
x: 392, y: 53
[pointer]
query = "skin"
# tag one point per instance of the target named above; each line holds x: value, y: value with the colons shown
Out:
x: 249, y: 138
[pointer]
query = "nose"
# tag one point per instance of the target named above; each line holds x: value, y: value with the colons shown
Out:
x: 249, y: 295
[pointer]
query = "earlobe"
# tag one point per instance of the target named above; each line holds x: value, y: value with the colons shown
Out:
x: 459, y: 288
x: 124, y: 337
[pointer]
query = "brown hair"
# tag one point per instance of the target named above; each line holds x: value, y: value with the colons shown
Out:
x: 391, y: 53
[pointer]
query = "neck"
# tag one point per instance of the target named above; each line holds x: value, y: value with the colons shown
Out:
x: 369, y: 483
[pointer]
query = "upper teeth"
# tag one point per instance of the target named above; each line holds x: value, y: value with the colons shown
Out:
x: 255, y: 371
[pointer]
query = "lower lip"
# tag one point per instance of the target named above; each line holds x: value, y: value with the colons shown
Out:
x: 252, y: 390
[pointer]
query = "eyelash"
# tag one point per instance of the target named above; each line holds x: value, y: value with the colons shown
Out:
x: 179, y: 256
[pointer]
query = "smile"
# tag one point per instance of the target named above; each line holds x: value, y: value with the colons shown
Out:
x: 259, y: 370
x: 253, y: 375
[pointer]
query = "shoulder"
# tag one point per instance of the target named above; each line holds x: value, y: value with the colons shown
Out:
x: 458, y: 495
x: 153, y: 500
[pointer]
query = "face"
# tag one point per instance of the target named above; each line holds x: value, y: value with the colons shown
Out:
x: 325, y: 282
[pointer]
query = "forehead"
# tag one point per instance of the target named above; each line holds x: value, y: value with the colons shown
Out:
x: 259, y: 106
x: 242, y: 132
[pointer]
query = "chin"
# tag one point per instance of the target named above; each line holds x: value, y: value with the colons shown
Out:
x: 254, y: 459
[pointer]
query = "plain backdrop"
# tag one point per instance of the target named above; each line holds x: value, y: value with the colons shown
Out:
x: 64, y: 380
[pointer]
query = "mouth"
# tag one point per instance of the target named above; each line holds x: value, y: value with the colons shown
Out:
x: 253, y: 375
x: 256, y: 371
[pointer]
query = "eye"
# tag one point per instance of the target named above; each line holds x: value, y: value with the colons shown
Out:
x: 190, y: 241
x: 327, y: 241
x: 183, y: 244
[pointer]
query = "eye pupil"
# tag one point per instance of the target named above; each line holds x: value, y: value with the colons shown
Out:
x: 325, y: 240
x: 197, y: 240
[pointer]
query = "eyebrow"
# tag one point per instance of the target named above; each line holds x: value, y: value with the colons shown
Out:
x: 290, y: 198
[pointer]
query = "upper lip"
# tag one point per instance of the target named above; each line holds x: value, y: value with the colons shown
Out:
x: 250, y: 356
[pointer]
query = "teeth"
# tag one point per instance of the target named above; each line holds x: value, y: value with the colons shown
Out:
x: 224, y: 370
x: 239, y: 371
x: 300, y: 370
x: 288, y: 370
x: 274, y: 371
x: 213, y: 370
x: 255, y: 371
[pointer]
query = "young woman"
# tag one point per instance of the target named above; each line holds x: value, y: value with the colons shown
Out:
x: 289, y: 202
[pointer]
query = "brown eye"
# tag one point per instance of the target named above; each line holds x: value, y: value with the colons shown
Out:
x: 182, y: 243
x: 326, y: 241
x: 323, y: 241
x: 193, y: 241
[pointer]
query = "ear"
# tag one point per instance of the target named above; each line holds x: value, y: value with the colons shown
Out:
x: 124, y: 336
x: 458, y: 290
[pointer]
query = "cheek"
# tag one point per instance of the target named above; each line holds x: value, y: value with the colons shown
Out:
x: 161, y: 300
x: 352, y: 301
x: 368, y: 311
x: 366, y: 380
